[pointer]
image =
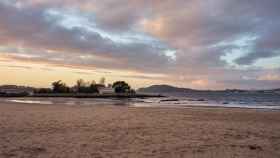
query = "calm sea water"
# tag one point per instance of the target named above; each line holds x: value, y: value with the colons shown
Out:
x: 179, y: 100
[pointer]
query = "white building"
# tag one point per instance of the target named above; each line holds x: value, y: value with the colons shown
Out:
x: 106, y: 90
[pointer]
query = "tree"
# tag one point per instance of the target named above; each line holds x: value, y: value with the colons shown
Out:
x: 121, y: 87
x: 80, y: 84
x: 93, y: 82
x: 93, y: 88
x: 43, y: 90
x: 102, y: 80
x: 86, y: 87
x: 60, y: 87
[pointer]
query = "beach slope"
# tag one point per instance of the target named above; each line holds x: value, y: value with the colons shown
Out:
x: 104, y: 131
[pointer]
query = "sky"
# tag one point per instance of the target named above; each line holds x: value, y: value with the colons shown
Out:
x: 209, y: 44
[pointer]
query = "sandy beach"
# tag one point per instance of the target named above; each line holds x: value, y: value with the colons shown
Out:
x: 61, y: 131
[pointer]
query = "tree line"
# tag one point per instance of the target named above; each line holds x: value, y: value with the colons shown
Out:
x: 83, y: 86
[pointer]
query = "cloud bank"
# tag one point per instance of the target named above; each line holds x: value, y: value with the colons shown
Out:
x: 200, y: 44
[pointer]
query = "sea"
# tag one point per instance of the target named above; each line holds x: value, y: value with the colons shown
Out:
x: 172, y: 100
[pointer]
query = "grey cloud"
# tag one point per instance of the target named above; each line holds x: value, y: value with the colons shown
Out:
x: 194, y: 28
x: 83, y: 73
x: 266, y: 46
x: 31, y: 29
x: 17, y: 67
x: 258, y: 54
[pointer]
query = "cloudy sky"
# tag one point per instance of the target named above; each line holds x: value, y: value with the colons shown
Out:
x: 209, y: 44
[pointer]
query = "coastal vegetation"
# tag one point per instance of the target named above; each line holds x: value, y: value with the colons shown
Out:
x: 81, y: 89
x: 122, y: 87
x: 90, y: 87
x: 60, y: 87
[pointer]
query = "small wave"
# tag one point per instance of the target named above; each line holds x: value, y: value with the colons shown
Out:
x: 169, y: 100
x: 195, y: 100
x: 30, y: 101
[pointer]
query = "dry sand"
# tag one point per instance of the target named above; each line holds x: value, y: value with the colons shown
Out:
x: 70, y: 132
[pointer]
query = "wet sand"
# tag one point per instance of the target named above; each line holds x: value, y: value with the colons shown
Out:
x: 104, y: 131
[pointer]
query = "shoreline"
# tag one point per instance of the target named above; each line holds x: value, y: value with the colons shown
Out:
x: 84, y: 95
x: 128, y: 104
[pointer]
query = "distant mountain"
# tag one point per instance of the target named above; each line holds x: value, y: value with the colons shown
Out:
x: 164, y: 89
x: 172, y: 89
x: 276, y: 90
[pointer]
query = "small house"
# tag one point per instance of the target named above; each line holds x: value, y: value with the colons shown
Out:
x: 13, y: 90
